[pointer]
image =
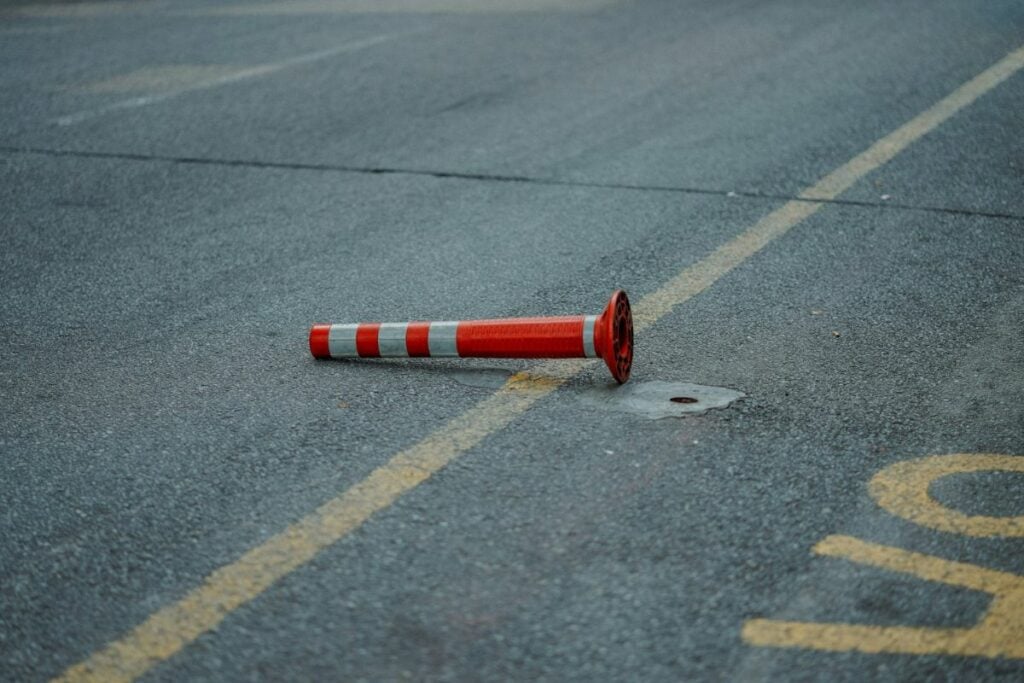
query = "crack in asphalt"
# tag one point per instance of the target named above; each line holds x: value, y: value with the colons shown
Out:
x: 494, y: 177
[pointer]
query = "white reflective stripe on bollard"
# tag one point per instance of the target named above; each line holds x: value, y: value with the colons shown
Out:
x: 441, y: 339
x: 589, y: 350
x: 391, y: 340
x: 342, y: 341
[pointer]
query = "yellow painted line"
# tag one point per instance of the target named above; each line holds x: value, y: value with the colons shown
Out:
x: 173, y: 627
x: 697, y: 278
x: 999, y: 633
x: 902, y: 489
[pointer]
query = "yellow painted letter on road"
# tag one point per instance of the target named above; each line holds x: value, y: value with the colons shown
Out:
x: 902, y: 489
x: 1000, y: 633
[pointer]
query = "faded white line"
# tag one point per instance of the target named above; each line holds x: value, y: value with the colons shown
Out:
x: 301, y: 7
x: 234, y: 77
x: 82, y: 10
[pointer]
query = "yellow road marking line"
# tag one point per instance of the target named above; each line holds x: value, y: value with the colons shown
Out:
x: 902, y: 489
x: 700, y: 276
x: 1000, y: 633
x: 169, y: 629
x: 173, y: 627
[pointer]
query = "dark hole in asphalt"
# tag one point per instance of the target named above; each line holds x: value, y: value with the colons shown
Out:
x: 683, y: 399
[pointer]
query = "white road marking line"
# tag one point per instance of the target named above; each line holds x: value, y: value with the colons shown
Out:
x: 240, y: 75
x: 305, y: 7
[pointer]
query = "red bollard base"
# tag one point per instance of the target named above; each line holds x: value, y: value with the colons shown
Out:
x: 613, y: 336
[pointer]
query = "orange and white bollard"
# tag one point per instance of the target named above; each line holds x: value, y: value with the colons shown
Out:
x: 608, y: 336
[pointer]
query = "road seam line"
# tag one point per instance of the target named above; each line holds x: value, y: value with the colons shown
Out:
x: 171, y: 628
x: 484, y: 177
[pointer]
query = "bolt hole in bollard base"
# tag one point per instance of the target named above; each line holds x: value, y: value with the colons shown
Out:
x: 608, y: 336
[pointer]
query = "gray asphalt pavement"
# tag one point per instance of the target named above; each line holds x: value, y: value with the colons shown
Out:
x: 186, y: 186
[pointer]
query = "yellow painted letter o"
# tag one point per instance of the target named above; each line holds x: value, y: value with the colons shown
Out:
x: 902, y: 489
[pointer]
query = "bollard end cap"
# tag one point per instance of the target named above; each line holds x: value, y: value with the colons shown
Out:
x: 319, y: 345
x: 617, y: 321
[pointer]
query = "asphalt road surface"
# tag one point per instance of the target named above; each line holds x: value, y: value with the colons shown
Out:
x: 819, y: 204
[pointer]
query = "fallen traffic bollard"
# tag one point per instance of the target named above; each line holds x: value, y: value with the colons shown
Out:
x: 608, y: 336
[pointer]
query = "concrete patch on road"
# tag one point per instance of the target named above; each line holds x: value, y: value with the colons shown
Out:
x: 656, y: 400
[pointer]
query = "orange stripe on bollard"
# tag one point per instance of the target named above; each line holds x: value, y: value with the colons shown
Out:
x: 417, y: 339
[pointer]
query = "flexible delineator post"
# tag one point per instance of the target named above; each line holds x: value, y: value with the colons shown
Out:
x: 608, y: 336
